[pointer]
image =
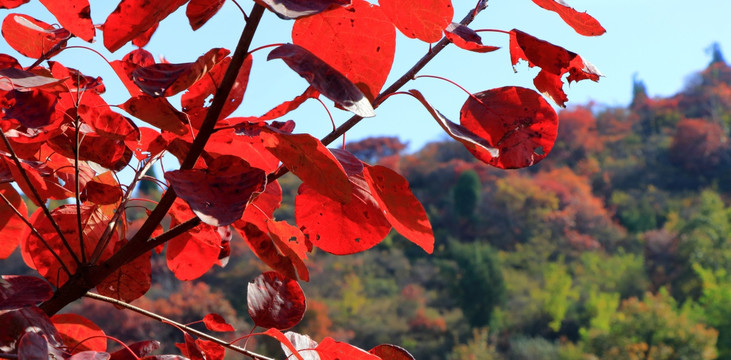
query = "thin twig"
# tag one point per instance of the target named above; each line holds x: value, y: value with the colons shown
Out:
x: 38, y: 199
x: 185, y: 328
x: 77, y: 148
x: 36, y: 233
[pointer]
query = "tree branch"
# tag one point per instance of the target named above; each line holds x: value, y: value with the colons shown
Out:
x: 187, y: 329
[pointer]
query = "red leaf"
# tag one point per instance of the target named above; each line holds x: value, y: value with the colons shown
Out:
x: 303, y: 344
x: 32, y: 108
x: 419, y: 19
x: 470, y: 140
x: 18, y: 291
x: 12, y: 228
x: 157, y: 111
x: 102, y: 194
x: 169, y: 79
x: 391, y: 352
x: 283, y: 340
x: 359, y: 41
x: 24, y: 80
x: 264, y: 248
x: 31, y: 37
x: 18, y: 322
x: 263, y: 205
x: 401, y: 208
x: 294, y: 9
x: 275, y: 301
x: 330, y: 349
x: 47, y: 265
x: 583, y: 23
x: 192, y: 253
x: 319, y: 168
x: 95, y: 112
x: 75, y: 328
x: 108, y: 153
x: 200, y: 11
x: 124, y: 68
x: 288, y: 106
x: 193, y: 101
x: 342, y: 228
x: 219, y: 194
x: 75, y: 80
x: 554, y: 62
x: 145, y: 37
x: 73, y: 15
x: 41, y: 178
x: 518, y: 121
x: 133, y: 17
x: 212, y: 351
x: 140, y: 349
x: 33, y: 347
x: 191, y: 349
x: 290, y: 241
x: 324, y: 78
x: 11, y: 4
x: 466, y: 38
x: 150, y: 144
x: 130, y: 281
x: 215, y: 322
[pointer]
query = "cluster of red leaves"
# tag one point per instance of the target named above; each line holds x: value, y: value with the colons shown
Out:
x: 61, y: 140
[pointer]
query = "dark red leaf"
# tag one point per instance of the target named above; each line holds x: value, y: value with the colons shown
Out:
x: 73, y: 15
x: 470, y: 140
x: 33, y: 108
x: 140, y: 349
x: 192, y: 253
x: 124, y: 68
x: 33, y: 347
x: 31, y: 37
x: 518, y: 121
x: 109, y: 153
x: 157, y: 111
x: 419, y: 19
x: 16, y: 323
x: 466, y: 38
x: 329, y: 349
x: 95, y: 112
x: 359, y: 41
x: 133, y: 17
x: 275, y: 301
x: 190, y: 348
x: 261, y: 243
x: 102, y: 194
x: 211, y: 350
x: 200, y: 11
x: 20, y: 79
x: 294, y: 9
x: 391, y: 352
x: 12, y: 228
x: 287, y: 106
x: 130, y: 281
x: 582, y: 22
x: 219, y: 194
x: 324, y: 78
x: 169, y: 79
x: 18, y: 291
x: 401, y: 208
x: 215, y: 322
x: 342, y: 228
x: 76, y: 330
x: 11, y: 4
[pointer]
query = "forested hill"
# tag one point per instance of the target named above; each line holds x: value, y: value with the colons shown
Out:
x: 616, y: 246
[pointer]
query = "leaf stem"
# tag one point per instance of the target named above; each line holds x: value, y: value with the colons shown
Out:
x: 187, y: 329
x: 38, y: 199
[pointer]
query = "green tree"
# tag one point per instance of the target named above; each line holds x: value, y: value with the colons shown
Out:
x: 466, y: 194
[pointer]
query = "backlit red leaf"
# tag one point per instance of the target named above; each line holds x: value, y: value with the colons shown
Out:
x: 359, y: 41
x: 33, y: 347
x: 466, y: 38
x: 11, y: 4
x: 518, y: 121
x: 582, y: 22
x: 329, y: 349
x: 102, y: 194
x: 263, y: 205
x: 12, y: 228
x: 211, y: 350
x: 275, y: 301
x: 19, y: 291
x: 294, y: 9
x: 391, y: 352
x: 200, y: 11
x: 125, y: 67
x: 402, y: 209
x: 74, y: 16
x: 150, y: 144
x: 144, y: 38
x: 342, y: 228
x: 215, y: 322
x: 31, y: 37
x: 95, y: 112
x: 419, y: 19
x: 108, y: 153
x: 157, y: 111
x: 219, y: 194
x: 324, y: 78
x: 291, y: 242
x: 169, y: 79
x: 192, y: 253
x: 75, y: 80
x: 133, y: 17
x: 287, y: 106
x: 76, y: 330
x: 261, y: 243
x: 130, y: 281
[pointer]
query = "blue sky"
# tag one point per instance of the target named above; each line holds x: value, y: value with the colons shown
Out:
x: 661, y: 41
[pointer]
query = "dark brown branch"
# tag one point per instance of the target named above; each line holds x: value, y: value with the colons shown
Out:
x: 187, y: 329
